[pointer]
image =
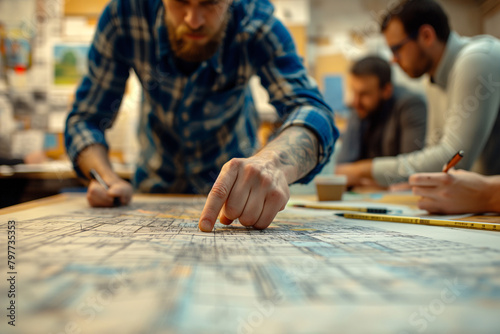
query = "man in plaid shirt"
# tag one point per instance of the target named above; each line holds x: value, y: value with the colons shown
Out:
x: 198, y: 123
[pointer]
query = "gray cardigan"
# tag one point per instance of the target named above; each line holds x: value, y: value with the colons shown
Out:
x: 398, y: 126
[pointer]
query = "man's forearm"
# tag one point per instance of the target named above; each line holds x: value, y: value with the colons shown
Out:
x: 494, y: 190
x: 296, y: 150
x: 96, y: 157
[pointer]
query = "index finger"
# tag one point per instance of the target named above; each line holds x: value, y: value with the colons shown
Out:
x: 428, y: 179
x: 216, y: 199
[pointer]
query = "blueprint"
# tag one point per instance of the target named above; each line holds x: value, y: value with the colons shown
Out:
x: 146, y: 268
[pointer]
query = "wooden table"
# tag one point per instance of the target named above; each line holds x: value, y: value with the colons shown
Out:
x: 22, y: 183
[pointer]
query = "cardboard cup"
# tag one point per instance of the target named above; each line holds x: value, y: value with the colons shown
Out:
x: 330, y: 187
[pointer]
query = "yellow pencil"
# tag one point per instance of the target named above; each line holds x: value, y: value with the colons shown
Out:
x: 344, y: 208
x: 422, y: 221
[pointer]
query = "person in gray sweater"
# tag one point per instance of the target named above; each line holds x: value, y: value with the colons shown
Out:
x: 463, y: 95
x: 386, y: 119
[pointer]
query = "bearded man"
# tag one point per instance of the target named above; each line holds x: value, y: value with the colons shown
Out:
x: 387, y: 119
x: 198, y: 123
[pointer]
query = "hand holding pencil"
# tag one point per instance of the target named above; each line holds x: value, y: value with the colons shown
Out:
x: 114, y: 192
x: 457, y: 191
x: 448, y: 192
x: 449, y: 165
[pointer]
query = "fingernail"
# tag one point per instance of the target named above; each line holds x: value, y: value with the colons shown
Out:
x: 205, y: 226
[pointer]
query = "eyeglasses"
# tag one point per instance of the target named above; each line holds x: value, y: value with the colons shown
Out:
x: 395, y: 48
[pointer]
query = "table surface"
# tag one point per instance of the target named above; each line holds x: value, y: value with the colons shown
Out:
x: 146, y: 268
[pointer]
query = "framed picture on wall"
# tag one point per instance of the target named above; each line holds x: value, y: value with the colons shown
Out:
x: 69, y: 64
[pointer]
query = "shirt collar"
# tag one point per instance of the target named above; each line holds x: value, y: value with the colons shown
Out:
x: 216, y: 60
x: 161, y: 34
x: 453, y: 47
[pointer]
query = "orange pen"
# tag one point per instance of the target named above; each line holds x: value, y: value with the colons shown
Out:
x: 453, y: 161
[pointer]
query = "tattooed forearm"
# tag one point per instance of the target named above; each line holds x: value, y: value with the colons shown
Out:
x: 298, y: 147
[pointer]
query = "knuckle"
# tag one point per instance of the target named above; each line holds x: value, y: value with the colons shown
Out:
x: 266, y: 180
x: 251, y: 169
x: 446, y: 193
x: 234, y: 163
x: 279, y: 195
x: 219, y: 190
x: 447, y: 180
x: 275, y: 195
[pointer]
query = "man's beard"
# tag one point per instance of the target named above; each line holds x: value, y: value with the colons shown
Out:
x: 191, y: 51
x: 374, y: 111
x: 421, y: 68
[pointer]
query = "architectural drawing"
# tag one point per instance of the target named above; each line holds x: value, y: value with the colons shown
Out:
x: 146, y: 268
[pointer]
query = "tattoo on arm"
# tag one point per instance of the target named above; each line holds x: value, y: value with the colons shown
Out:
x: 297, y: 146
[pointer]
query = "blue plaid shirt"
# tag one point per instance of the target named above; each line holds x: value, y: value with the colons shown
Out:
x: 191, y: 125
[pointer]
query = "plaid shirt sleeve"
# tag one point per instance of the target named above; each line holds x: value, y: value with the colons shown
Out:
x: 292, y: 92
x: 100, y: 93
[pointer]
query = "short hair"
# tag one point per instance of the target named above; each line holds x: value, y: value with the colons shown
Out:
x: 415, y: 13
x: 373, y: 65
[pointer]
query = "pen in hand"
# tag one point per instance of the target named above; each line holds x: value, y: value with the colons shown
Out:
x: 98, y: 178
x: 453, y: 161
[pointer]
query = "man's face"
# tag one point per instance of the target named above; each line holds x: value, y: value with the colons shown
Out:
x: 196, y: 27
x: 367, y: 94
x: 407, y: 52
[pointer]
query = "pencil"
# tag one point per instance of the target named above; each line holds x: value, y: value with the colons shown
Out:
x: 98, y: 178
x: 345, y: 208
x: 421, y: 221
x: 453, y: 161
